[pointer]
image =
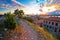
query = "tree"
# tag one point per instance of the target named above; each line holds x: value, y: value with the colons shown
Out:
x: 16, y: 12
x: 19, y: 13
x: 10, y: 22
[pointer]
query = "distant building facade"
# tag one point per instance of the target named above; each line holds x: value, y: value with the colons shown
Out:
x: 2, y: 17
x: 52, y: 23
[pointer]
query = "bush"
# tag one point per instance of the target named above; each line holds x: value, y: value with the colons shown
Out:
x: 29, y: 19
x: 9, y: 21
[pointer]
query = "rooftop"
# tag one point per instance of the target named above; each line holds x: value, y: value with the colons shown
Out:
x: 53, y: 19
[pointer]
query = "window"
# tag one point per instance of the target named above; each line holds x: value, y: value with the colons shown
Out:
x: 49, y: 22
x: 46, y: 21
x: 50, y: 27
x: 52, y: 23
x: 55, y: 30
x: 47, y: 25
x: 56, y: 24
x: 44, y: 25
x: 59, y: 30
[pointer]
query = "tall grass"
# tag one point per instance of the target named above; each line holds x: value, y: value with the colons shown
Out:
x: 46, y: 34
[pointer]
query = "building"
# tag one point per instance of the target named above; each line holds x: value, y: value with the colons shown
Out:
x: 53, y: 24
x: 39, y: 22
x: 2, y: 17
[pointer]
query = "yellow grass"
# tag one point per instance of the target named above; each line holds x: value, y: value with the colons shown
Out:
x: 46, y: 34
x: 19, y: 29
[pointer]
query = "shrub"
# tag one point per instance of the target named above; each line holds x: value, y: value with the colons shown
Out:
x: 9, y: 21
x: 30, y: 19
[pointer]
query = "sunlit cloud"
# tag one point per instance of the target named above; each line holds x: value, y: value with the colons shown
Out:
x: 56, y: 2
x: 10, y: 5
x: 36, y: 9
x: 50, y: 8
x: 32, y: 9
x: 6, y: 6
x: 13, y: 4
x: 18, y: 3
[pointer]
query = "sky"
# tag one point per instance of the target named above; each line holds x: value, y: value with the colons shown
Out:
x: 29, y: 6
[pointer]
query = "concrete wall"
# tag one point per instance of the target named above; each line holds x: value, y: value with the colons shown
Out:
x: 52, y: 26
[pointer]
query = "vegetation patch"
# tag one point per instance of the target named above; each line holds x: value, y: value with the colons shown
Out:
x: 10, y: 22
x: 46, y: 34
x: 30, y: 19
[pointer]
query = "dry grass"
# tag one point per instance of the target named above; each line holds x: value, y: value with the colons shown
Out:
x: 12, y: 33
x: 19, y: 29
x: 46, y: 34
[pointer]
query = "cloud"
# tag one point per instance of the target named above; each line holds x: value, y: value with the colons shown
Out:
x: 18, y: 3
x: 10, y: 4
x: 56, y: 2
x: 5, y: 6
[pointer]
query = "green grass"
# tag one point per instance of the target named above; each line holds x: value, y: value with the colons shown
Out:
x: 46, y: 34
